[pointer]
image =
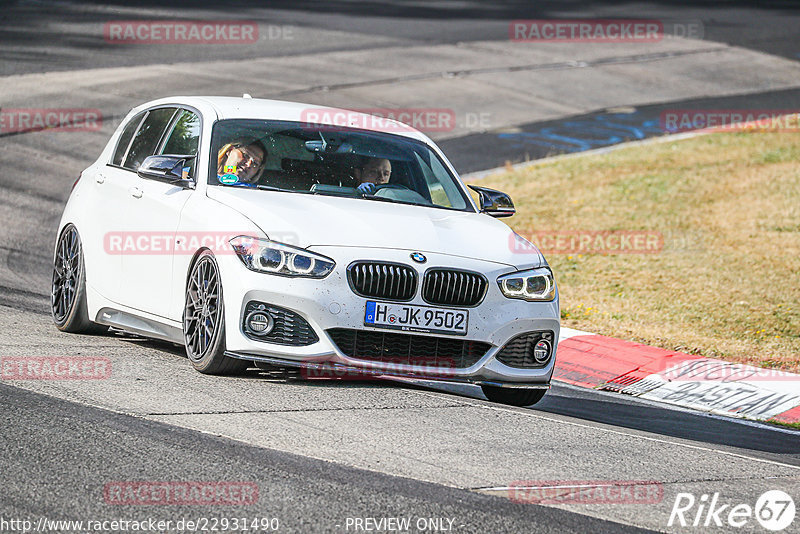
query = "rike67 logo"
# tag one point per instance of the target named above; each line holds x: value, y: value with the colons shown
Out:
x: 774, y: 510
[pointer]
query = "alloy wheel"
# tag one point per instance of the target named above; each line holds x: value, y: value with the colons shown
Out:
x: 66, y: 274
x: 202, y: 315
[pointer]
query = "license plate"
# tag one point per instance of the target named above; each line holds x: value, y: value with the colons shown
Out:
x: 416, y: 318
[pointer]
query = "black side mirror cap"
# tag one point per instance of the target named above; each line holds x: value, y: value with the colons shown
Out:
x: 167, y: 169
x: 494, y: 203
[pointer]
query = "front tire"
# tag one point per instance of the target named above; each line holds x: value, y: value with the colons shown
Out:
x: 68, y: 289
x: 513, y: 396
x: 204, y: 320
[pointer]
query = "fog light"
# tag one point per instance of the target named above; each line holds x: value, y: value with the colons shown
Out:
x: 541, y: 352
x: 259, y: 323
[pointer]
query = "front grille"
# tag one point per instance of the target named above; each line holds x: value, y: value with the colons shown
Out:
x: 453, y: 288
x: 519, y: 351
x: 390, y: 281
x: 289, y: 328
x: 408, y: 349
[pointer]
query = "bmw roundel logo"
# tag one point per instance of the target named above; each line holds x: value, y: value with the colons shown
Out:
x: 419, y: 257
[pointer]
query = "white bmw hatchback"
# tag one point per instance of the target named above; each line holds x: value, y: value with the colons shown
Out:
x: 249, y: 233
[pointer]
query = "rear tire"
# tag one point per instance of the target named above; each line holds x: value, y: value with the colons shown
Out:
x: 513, y: 396
x: 68, y: 288
x: 204, y: 320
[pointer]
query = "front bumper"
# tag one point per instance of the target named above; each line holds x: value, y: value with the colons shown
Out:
x: 330, y: 303
x: 337, y: 370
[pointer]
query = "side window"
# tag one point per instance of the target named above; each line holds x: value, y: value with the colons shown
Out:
x: 184, y: 137
x: 443, y: 191
x: 125, y: 138
x: 145, y: 142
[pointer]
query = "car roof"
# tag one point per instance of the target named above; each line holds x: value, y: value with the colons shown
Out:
x: 228, y: 107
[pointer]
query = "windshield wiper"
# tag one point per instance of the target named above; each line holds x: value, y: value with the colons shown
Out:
x: 394, y: 201
x: 273, y: 188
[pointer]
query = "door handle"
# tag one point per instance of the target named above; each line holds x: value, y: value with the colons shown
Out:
x: 135, y: 192
x: 99, y: 178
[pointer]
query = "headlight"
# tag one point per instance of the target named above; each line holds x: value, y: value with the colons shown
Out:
x: 531, y: 285
x: 267, y: 256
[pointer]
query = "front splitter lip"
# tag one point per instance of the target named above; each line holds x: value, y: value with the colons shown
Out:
x: 382, y: 373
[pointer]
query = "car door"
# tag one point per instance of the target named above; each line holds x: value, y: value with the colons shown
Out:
x: 153, y: 213
x: 107, y: 194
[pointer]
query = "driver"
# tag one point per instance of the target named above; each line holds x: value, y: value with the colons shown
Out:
x: 241, y: 163
x: 372, y: 171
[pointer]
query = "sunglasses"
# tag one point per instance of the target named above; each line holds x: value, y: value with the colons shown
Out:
x: 248, y: 156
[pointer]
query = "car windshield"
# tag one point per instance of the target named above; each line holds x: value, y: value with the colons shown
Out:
x: 333, y: 161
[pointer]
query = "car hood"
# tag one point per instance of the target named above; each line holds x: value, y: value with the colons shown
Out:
x: 307, y: 220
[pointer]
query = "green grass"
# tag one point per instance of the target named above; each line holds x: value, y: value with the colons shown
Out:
x: 793, y: 426
x: 727, y: 282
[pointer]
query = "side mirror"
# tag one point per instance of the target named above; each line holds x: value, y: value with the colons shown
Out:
x: 494, y: 203
x: 167, y: 169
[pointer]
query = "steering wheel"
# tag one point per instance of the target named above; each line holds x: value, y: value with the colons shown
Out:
x: 400, y: 187
x: 399, y: 192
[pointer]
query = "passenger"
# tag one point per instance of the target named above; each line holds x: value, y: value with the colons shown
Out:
x: 241, y: 163
x: 372, y: 172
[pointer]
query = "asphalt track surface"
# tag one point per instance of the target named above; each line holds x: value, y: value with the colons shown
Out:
x: 302, y: 493
x: 45, y: 36
x: 479, y: 151
x: 322, y: 452
x: 42, y: 36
